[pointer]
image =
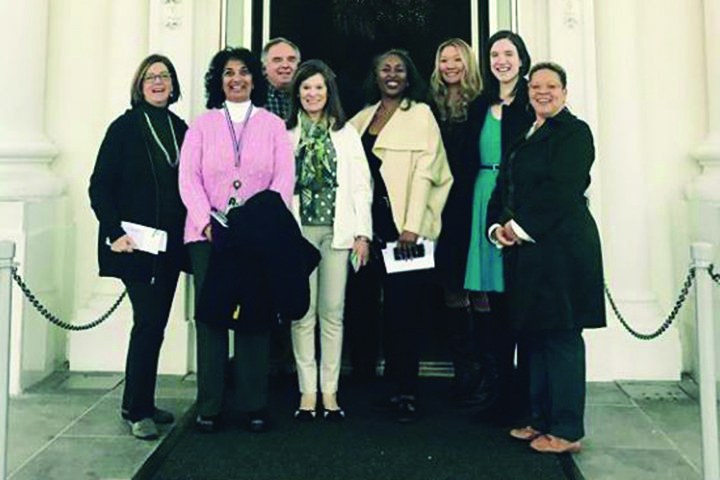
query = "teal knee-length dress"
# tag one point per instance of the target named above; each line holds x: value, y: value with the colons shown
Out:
x: 484, y: 272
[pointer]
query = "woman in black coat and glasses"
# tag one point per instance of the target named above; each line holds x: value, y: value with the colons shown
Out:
x: 135, y: 181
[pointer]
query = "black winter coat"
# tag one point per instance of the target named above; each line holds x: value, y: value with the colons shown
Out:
x: 462, y: 144
x: 124, y: 187
x: 556, y: 282
x: 258, y: 272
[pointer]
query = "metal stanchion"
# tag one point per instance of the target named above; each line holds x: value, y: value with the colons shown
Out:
x: 702, y: 256
x: 7, y: 254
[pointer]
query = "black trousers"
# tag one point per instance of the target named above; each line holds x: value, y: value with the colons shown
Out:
x: 151, y: 307
x: 404, y: 315
x: 557, y: 382
x: 398, y: 318
x: 502, y: 344
x: 362, y: 319
x: 251, y: 361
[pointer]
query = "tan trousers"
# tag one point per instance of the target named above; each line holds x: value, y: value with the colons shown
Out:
x: 327, y: 300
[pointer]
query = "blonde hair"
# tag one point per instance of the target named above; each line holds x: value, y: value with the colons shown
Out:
x: 470, y: 85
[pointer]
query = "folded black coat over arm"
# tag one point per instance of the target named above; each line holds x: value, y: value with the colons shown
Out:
x: 258, y: 274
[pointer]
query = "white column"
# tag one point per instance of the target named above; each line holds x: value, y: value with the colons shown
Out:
x: 703, y: 192
x: 30, y: 193
x: 7, y: 257
x: 706, y: 187
x: 623, y: 162
x: 25, y: 151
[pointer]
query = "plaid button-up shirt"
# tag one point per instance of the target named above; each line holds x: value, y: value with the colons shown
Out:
x: 277, y: 102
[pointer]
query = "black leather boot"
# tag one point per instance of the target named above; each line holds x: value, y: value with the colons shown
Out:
x: 484, y: 392
x: 462, y: 350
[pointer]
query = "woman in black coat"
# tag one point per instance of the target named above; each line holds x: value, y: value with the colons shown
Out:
x: 551, y: 253
x: 136, y: 180
x: 455, y: 87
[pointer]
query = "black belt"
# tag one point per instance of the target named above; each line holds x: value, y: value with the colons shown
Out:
x: 489, y: 167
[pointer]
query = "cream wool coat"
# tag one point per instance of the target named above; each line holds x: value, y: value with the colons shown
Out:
x: 414, y: 167
x: 353, y: 197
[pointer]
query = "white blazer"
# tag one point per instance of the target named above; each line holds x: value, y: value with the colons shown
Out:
x: 353, y: 197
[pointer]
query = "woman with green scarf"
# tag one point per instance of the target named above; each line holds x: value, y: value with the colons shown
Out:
x: 332, y: 202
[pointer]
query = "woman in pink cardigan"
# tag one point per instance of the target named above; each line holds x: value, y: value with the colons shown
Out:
x: 230, y: 153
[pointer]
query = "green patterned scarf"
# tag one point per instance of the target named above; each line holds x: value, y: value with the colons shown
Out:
x: 316, y: 167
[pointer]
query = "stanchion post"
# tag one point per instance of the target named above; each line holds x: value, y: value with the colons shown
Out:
x: 702, y: 257
x: 7, y: 255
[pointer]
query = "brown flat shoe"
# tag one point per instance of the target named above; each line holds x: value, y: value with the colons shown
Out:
x: 551, y: 444
x: 526, y: 433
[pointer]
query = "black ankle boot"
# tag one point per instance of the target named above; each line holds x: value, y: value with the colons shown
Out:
x: 485, y: 394
x: 466, y: 369
x: 484, y: 389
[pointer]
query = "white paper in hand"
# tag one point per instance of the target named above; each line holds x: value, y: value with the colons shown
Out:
x: 394, y: 265
x: 146, y: 239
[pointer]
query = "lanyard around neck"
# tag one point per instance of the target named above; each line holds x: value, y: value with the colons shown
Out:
x: 237, y: 142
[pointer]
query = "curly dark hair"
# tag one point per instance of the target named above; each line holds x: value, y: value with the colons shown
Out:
x: 416, y: 89
x: 492, y: 85
x: 136, y: 89
x: 333, y: 108
x: 214, y: 76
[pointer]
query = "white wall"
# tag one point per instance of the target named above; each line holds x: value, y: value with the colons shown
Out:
x: 674, y: 113
x: 652, y: 113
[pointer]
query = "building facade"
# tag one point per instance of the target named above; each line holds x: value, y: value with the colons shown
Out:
x: 643, y: 73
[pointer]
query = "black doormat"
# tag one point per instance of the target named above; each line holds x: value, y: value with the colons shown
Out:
x: 442, y: 445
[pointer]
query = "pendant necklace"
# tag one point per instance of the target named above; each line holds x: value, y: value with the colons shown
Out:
x: 159, y: 143
x: 237, y: 146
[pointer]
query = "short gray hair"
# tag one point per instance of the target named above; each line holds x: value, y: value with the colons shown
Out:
x: 277, y: 41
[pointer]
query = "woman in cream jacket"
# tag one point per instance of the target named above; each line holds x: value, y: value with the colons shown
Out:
x: 332, y: 202
x: 411, y: 179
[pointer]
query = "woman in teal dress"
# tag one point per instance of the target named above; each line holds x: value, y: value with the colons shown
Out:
x: 503, y: 115
x: 484, y: 268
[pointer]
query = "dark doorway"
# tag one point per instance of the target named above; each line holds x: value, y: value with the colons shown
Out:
x: 347, y: 34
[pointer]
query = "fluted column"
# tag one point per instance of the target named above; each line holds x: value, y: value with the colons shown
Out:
x: 30, y: 192
x: 626, y: 198
x: 25, y: 151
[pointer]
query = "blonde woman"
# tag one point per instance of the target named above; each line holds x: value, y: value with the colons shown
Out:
x: 455, y: 81
x: 455, y: 85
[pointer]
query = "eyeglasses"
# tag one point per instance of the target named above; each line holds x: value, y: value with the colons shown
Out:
x: 150, y: 78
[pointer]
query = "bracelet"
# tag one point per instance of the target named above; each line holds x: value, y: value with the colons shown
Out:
x: 363, y: 238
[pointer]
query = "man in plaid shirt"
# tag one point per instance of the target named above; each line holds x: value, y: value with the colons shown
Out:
x: 280, y: 58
